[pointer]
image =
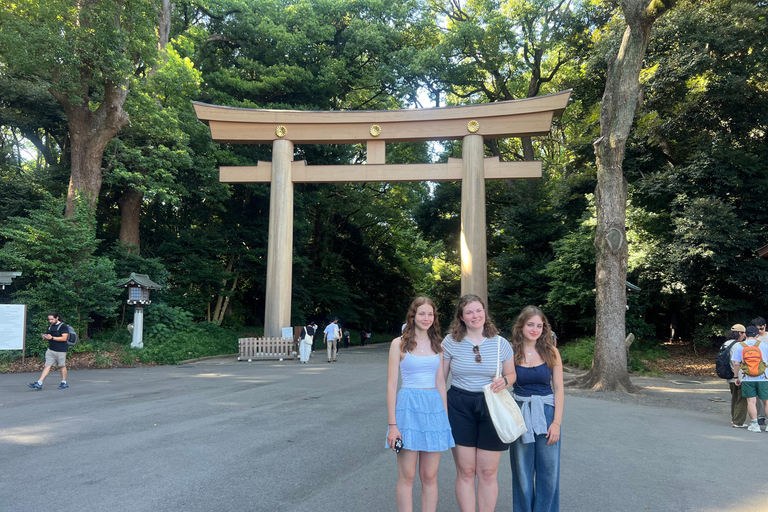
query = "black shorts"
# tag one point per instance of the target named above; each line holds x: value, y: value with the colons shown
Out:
x: 470, y: 422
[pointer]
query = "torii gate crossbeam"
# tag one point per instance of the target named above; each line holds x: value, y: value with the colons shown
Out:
x: 284, y: 128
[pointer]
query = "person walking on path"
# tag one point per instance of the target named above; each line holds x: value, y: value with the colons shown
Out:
x: 738, y: 403
x: 749, y: 364
x: 306, y: 338
x: 417, y: 414
x: 535, y: 456
x: 56, y: 334
x: 470, y: 352
x: 331, y: 337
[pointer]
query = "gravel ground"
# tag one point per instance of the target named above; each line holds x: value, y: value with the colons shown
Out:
x: 702, y: 394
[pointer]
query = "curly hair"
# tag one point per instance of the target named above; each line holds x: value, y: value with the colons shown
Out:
x: 544, y: 345
x: 458, y: 330
x: 409, y: 333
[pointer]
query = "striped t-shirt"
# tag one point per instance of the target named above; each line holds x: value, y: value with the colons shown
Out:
x: 468, y: 374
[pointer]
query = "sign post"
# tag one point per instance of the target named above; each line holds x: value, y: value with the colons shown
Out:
x: 13, y: 325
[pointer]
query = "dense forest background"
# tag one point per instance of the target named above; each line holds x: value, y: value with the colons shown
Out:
x: 99, y: 94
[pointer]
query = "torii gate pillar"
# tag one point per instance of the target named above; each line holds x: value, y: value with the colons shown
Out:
x: 277, y: 313
x: 474, y: 278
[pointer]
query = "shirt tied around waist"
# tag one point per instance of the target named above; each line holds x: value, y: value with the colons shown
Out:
x: 533, y: 414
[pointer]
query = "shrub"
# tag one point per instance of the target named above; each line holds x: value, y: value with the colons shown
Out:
x: 165, y: 346
x: 580, y: 354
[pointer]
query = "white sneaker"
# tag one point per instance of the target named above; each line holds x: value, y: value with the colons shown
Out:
x: 754, y: 427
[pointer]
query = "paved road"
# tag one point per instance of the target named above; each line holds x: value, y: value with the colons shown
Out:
x: 220, y: 435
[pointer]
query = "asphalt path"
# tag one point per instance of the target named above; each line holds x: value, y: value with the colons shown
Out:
x: 221, y: 435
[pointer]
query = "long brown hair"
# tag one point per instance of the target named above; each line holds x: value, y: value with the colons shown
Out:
x: 458, y: 330
x: 408, y: 337
x: 544, y: 345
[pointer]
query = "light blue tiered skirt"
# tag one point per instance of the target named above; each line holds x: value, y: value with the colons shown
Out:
x: 422, y: 421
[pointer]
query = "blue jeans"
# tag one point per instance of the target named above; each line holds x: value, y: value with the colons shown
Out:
x: 536, y: 472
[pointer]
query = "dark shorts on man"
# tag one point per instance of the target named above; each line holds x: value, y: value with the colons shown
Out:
x: 471, y: 423
x: 755, y: 388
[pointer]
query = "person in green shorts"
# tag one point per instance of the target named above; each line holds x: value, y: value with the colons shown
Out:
x: 750, y: 358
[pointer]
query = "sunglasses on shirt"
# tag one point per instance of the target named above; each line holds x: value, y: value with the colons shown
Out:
x: 476, y: 351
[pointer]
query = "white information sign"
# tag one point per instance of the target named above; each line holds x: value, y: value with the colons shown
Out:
x: 287, y: 332
x: 13, y: 320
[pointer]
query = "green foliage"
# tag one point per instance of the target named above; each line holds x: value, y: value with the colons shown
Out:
x: 580, y: 352
x: 60, y: 270
x: 695, y: 164
x: 76, y: 46
x: 162, y: 320
x: 571, y: 299
x: 704, y: 335
x: 193, y: 341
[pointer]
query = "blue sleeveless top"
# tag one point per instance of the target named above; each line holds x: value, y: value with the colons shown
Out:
x: 533, y: 381
x: 419, y: 371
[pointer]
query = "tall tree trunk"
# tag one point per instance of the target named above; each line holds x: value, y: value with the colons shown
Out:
x: 90, y: 132
x: 620, y: 101
x: 131, y: 200
x: 164, y: 24
x: 130, y: 215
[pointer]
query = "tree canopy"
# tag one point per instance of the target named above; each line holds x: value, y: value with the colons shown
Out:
x: 100, y: 153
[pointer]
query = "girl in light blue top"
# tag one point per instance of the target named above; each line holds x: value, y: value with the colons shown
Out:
x: 417, y: 414
x: 535, y: 456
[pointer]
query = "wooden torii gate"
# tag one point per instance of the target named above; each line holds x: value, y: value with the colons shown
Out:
x: 284, y: 128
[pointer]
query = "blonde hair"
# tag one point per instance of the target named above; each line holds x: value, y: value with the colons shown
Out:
x: 408, y: 336
x: 458, y: 330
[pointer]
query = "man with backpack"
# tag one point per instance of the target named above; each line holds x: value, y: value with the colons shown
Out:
x: 749, y: 365
x: 724, y: 368
x: 57, y: 335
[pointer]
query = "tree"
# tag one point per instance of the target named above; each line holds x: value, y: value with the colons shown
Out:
x: 60, y: 268
x: 84, y: 52
x: 617, y: 112
x: 697, y: 165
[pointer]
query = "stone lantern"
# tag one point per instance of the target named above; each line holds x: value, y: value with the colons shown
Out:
x: 138, y: 286
x: 7, y: 277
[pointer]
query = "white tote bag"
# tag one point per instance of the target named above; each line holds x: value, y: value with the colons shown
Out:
x: 503, y: 409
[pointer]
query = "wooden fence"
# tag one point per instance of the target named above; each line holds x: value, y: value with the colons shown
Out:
x: 267, y: 348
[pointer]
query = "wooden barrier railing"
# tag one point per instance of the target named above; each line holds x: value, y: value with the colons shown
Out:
x: 267, y: 348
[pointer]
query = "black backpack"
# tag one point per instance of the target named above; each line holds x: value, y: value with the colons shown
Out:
x: 723, y: 365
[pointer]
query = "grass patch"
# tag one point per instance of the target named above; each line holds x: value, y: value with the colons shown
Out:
x: 580, y: 353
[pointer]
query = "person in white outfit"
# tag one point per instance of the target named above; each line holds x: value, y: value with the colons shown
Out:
x: 305, y: 341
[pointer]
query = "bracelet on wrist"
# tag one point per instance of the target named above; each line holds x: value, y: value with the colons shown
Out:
x: 556, y: 422
x: 392, y: 424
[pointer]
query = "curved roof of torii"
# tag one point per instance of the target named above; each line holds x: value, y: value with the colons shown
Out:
x: 517, y: 118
